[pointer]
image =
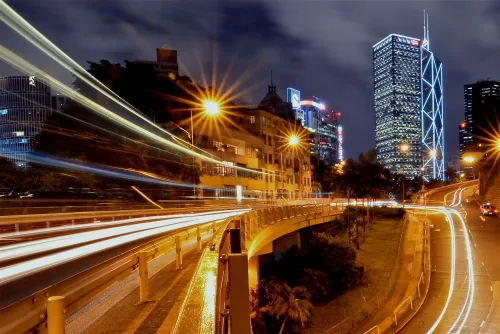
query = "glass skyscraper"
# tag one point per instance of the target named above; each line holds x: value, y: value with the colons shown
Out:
x: 25, y: 103
x: 408, y: 96
x: 397, y: 98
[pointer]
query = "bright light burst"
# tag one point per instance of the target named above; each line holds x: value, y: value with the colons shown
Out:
x: 211, y: 108
x: 492, y: 140
x: 294, y: 140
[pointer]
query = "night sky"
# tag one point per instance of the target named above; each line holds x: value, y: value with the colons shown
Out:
x: 323, y: 48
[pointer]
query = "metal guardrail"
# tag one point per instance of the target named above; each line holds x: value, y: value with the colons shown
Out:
x: 68, y: 296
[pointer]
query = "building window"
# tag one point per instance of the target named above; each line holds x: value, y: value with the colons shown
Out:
x: 252, y: 119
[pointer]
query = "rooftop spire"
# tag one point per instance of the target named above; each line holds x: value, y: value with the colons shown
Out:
x: 428, y: 37
x: 425, y: 43
x: 425, y: 29
x: 272, y: 83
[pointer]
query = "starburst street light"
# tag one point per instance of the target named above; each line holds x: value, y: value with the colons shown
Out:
x: 293, y: 140
x: 469, y: 159
x: 212, y: 108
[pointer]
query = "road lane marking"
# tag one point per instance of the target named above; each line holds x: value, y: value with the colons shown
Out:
x: 482, y: 218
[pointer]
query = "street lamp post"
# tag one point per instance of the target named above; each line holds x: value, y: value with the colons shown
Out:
x: 404, y: 151
x: 192, y: 147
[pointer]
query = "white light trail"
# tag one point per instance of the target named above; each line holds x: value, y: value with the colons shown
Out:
x: 470, y: 292
x: 30, y: 248
x: 75, y: 228
x: 37, y: 39
x: 17, y: 271
x: 453, y: 259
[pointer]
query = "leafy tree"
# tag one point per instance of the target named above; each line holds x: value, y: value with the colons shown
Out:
x: 316, y: 282
x: 289, y: 304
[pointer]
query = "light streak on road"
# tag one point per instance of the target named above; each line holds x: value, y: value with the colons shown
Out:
x: 29, y: 248
x: 470, y: 293
x: 17, y: 271
x: 452, y: 276
x: 453, y: 259
x: 24, y: 66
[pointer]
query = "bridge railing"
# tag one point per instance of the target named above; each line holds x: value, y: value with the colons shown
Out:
x: 211, y: 278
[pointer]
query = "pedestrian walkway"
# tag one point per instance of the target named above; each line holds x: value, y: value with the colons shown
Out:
x: 409, y: 271
x: 118, y: 311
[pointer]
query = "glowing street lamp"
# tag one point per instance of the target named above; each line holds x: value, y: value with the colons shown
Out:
x: 404, y: 148
x: 212, y: 108
x: 469, y: 159
x: 293, y: 140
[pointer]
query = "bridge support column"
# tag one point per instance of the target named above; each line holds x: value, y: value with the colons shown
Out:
x: 253, y: 273
x: 238, y: 299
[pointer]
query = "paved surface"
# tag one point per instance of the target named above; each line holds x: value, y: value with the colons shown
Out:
x: 120, y: 312
x: 485, y: 233
x: 441, y: 260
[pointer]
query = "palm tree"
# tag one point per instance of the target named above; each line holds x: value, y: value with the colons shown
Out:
x: 292, y: 303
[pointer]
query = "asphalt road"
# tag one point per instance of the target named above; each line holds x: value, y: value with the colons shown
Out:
x: 485, y: 232
x: 441, y: 268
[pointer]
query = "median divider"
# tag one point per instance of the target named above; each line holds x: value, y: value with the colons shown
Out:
x: 32, y: 313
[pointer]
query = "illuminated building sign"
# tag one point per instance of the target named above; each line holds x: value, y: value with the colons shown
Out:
x: 341, y: 141
x: 32, y: 81
x: 4, y: 111
x: 320, y: 106
x: 293, y: 96
x: 414, y: 42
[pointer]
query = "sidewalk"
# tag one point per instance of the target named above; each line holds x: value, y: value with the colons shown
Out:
x: 406, y: 282
x: 118, y: 311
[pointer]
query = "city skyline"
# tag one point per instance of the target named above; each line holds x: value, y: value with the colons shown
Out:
x: 335, y: 67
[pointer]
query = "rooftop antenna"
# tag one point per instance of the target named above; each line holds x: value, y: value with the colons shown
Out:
x: 425, y: 31
x: 272, y: 83
x: 428, y: 37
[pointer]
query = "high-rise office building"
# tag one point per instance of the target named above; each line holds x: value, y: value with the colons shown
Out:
x: 408, y: 98
x: 482, y: 111
x: 25, y: 103
x: 433, y: 166
x: 397, y: 97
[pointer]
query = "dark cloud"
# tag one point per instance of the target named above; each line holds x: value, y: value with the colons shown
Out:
x: 323, y: 48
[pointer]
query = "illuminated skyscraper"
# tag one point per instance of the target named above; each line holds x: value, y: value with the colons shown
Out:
x: 397, y: 98
x: 432, y: 112
x: 25, y: 103
x: 408, y: 96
